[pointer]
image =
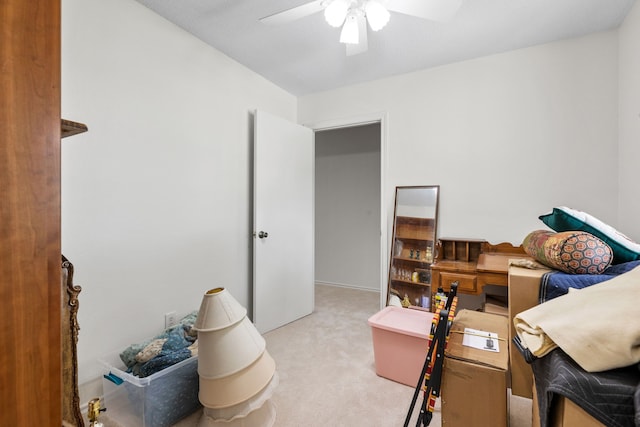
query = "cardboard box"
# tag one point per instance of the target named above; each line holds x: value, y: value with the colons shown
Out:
x: 565, y: 413
x: 524, y: 288
x: 495, y: 306
x: 474, y: 381
x: 400, y: 337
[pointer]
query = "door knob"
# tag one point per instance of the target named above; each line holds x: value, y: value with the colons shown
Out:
x: 263, y: 235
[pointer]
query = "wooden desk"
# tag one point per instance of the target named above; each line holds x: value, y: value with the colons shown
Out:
x: 478, y: 264
x: 493, y: 268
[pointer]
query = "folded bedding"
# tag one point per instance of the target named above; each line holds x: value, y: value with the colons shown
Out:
x: 556, y: 283
x: 598, y: 326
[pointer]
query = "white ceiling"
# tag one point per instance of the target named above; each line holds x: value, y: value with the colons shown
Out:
x: 305, y: 56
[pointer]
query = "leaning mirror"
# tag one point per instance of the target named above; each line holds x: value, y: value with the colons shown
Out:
x: 414, y: 236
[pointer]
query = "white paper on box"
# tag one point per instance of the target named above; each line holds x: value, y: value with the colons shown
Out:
x: 482, y: 340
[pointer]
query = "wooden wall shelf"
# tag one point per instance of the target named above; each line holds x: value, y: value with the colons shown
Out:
x: 69, y: 128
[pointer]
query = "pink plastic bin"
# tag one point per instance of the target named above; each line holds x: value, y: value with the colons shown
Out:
x: 400, y: 338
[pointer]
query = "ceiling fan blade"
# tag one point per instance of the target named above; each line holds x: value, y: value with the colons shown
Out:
x: 294, y: 13
x: 434, y: 10
x: 362, y: 45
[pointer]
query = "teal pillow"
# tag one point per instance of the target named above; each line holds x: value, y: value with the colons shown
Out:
x: 566, y: 219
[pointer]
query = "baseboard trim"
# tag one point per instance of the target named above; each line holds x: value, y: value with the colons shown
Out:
x: 344, y: 285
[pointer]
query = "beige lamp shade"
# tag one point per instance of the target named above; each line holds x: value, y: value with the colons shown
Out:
x: 218, y: 310
x: 264, y: 416
x: 239, y: 387
x: 244, y: 410
x: 229, y: 350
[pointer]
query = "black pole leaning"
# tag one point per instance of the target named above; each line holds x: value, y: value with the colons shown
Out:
x: 442, y: 318
x: 438, y: 333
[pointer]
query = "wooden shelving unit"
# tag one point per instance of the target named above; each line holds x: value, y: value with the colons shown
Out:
x: 71, y: 414
x: 30, y: 363
x: 465, y: 250
x: 413, y: 246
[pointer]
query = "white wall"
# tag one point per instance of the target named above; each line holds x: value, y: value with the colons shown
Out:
x: 347, y: 234
x: 156, y: 196
x: 629, y: 105
x: 507, y: 137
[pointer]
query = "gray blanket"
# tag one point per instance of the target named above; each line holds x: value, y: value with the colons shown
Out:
x: 611, y: 397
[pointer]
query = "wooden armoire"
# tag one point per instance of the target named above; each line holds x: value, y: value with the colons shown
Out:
x: 30, y: 249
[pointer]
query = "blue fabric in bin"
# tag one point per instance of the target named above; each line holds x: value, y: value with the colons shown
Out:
x: 164, y: 389
x: 174, y: 350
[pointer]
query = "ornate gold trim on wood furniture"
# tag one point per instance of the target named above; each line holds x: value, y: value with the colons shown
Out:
x: 70, y: 396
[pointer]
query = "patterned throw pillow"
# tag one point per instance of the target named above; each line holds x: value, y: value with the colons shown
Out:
x: 574, y: 252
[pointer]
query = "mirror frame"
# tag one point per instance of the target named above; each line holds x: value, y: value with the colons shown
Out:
x: 419, y: 233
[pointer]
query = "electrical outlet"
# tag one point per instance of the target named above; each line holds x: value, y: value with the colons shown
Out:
x: 170, y: 319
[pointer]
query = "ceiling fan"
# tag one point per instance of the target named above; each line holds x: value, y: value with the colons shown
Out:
x: 353, y: 16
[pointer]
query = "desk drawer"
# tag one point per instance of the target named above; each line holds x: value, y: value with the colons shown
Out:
x: 466, y: 282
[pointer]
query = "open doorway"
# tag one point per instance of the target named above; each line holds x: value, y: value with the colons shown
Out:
x: 348, y: 206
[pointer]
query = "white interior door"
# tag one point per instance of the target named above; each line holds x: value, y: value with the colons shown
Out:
x: 283, y: 224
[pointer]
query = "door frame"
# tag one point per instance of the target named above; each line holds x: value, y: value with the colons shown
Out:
x: 367, y: 119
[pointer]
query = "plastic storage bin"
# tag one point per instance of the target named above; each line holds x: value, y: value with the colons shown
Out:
x: 400, y: 338
x: 159, y: 400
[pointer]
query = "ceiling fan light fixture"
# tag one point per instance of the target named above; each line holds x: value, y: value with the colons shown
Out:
x: 349, y: 34
x: 377, y: 15
x: 336, y: 12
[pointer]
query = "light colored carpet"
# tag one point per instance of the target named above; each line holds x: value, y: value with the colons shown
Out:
x: 327, y: 373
